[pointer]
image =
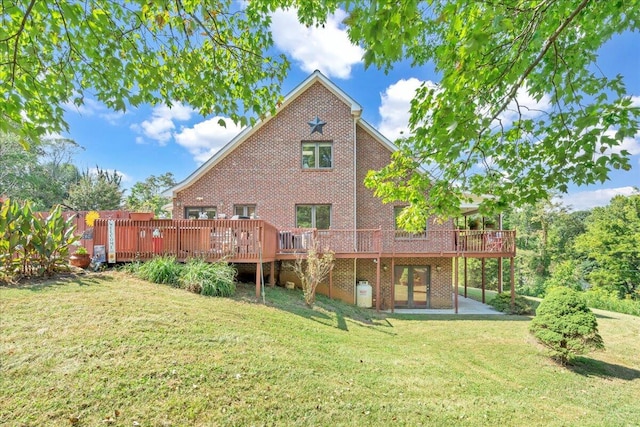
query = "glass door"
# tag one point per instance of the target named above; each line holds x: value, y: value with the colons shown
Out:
x: 412, y: 286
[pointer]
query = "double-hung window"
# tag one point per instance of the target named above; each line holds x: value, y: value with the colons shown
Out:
x: 208, y: 212
x: 245, y: 210
x: 317, y: 155
x: 313, y: 216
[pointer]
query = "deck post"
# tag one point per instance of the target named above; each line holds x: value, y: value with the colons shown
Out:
x: 513, y: 288
x: 378, y: 284
x: 393, y: 283
x: 272, y: 275
x: 500, y: 275
x: 331, y: 281
x: 465, y: 276
x: 258, y: 275
x: 483, y: 280
x: 455, y: 283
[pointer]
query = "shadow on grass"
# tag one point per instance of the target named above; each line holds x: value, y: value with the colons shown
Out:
x: 597, y: 368
x: 602, y: 316
x: 326, y: 311
x: 81, y: 278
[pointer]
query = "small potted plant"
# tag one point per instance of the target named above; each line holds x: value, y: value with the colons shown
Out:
x: 80, y: 258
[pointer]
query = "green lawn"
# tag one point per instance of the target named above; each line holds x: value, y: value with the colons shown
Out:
x: 111, y: 350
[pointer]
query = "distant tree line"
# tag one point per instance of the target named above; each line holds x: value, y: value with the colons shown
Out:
x: 46, y: 176
x: 596, y: 251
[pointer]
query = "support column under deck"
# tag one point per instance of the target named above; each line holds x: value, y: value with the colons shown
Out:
x: 465, y: 276
x: 482, y: 262
x: 455, y: 284
x: 331, y: 282
x: 272, y: 275
x: 393, y: 284
x: 513, y: 288
x: 500, y: 275
x: 378, y: 284
x: 258, y: 276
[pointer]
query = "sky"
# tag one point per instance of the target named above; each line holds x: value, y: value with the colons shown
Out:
x: 154, y: 140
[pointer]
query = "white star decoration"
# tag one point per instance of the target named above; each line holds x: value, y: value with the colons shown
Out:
x: 316, y: 125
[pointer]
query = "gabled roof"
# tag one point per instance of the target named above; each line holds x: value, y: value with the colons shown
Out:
x: 316, y: 76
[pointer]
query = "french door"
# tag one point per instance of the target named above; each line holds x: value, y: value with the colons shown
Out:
x: 412, y: 286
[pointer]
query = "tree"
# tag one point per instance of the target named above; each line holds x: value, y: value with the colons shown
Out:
x: 562, y: 236
x: 565, y: 325
x: 14, y: 162
x: 146, y: 195
x: 612, y: 240
x: 473, y: 134
x: 42, y: 176
x: 55, y: 173
x: 313, y: 270
x: 99, y: 190
x: 209, y: 54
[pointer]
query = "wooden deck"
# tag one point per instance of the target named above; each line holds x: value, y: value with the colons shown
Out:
x: 255, y: 241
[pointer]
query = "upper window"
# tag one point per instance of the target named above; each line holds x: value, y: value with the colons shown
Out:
x: 205, y: 212
x: 245, y: 210
x: 313, y: 216
x: 317, y: 155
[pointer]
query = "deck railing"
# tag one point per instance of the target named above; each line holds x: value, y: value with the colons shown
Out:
x: 298, y: 240
x: 257, y: 240
x: 239, y: 240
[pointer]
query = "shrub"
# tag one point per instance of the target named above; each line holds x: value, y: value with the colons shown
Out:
x: 162, y: 269
x: 565, y: 325
x: 604, y: 299
x: 313, y: 270
x: 211, y: 279
x: 31, y: 245
x: 502, y: 302
x: 131, y: 268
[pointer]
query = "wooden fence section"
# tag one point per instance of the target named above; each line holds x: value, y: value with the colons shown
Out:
x: 234, y: 240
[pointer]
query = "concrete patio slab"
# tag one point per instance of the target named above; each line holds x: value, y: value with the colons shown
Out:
x: 465, y: 306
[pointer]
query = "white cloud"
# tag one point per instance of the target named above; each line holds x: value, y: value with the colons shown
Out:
x: 635, y: 101
x: 204, y: 139
x: 632, y: 145
x: 161, y: 124
x: 589, y: 199
x: 395, y: 103
x: 326, y: 48
x: 525, y: 107
x: 90, y: 107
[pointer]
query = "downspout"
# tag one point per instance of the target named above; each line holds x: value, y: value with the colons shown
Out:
x: 356, y: 116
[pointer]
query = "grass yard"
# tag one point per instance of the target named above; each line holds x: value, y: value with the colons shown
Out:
x: 106, y: 349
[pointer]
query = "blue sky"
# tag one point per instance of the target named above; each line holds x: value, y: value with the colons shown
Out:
x: 151, y: 141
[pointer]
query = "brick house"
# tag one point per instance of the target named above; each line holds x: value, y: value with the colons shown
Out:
x: 301, y: 171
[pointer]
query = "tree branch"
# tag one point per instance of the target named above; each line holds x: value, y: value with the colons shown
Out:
x: 17, y: 36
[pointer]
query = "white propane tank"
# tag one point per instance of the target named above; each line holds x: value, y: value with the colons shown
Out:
x: 364, y: 293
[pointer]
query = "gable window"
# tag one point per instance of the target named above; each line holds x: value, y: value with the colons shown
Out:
x: 248, y: 211
x: 204, y: 212
x: 313, y: 216
x: 317, y: 155
x: 403, y: 234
